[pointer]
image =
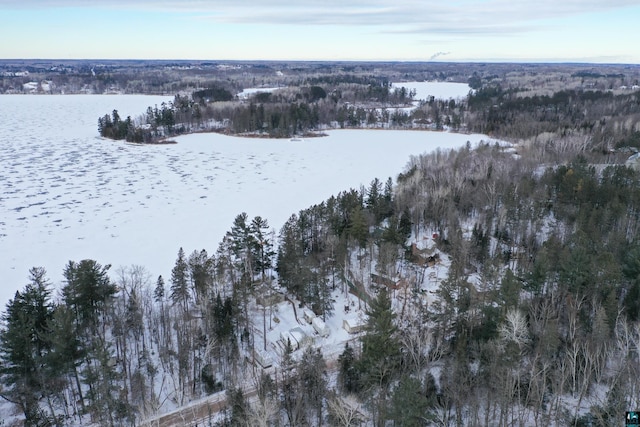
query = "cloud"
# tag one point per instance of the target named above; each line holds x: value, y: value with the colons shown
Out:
x: 454, y: 17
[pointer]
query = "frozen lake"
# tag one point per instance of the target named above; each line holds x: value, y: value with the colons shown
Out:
x: 66, y: 194
x: 439, y: 90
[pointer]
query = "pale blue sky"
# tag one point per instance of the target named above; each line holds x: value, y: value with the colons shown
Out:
x: 409, y: 30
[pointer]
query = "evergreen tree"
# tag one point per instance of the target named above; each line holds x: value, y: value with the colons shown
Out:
x: 158, y: 292
x: 409, y: 405
x: 380, y: 346
x: 23, y: 347
x: 104, y: 392
x: 222, y: 317
x: 242, y: 243
x: 262, y: 248
x: 67, y: 351
x: 348, y: 373
x: 510, y: 288
x: 180, y: 281
x: 238, y: 405
x: 358, y: 229
x: 161, y: 334
x: 395, y: 232
x: 387, y: 199
x: 200, y: 272
x: 374, y: 195
x: 87, y: 291
x: 290, y: 254
x: 405, y: 225
x: 312, y: 372
x: 631, y: 270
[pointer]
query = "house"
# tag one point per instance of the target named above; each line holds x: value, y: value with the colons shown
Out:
x: 285, y: 337
x: 301, y: 337
x: 352, y: 326
x: 389, y: 283
x: 424, y: 256
x: 296, y: 337
x: 262, y: 358
x: 320, y: 327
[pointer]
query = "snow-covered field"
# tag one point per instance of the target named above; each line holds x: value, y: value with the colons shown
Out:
x: 66, y: 194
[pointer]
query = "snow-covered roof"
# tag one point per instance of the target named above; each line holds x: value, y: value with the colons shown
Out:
x: 352, y: 325
x: 320, y: 327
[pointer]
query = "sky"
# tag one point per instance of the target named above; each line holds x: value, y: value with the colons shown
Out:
x: 598, y: 31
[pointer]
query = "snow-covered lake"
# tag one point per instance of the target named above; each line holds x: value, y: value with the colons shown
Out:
x: 66, y: 194
x: 246, y: 93
x: 439, y: 90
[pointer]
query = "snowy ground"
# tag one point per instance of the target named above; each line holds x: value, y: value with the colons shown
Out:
x: 67, y: 195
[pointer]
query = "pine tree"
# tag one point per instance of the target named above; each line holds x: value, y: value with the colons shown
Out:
x: 158, y: 293
x: 161, y: 335
x: 405, y: 225
x: 200, y: 272
x: 312, y: 373
x: 23, y: 347
x: 87, y: 291
x: 239, y: 406
x: 241, y: 242
x: 222, y: 317
x: 104, y: 382
x: 373, y: 198
x: 290, y: 253
x: 387, y: 199
x: 348, y: 374
x: 180, y: 296
x: 263, y: 251
x: 358, y: 229
x: 380, y: 346
x: 180, y: 282
x: 409, y: 404
x: 67, y: 351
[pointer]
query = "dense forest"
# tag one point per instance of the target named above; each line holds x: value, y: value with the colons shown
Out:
x: 536, y: 321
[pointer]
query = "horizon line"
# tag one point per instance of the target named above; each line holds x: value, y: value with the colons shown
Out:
x: 417, y: 61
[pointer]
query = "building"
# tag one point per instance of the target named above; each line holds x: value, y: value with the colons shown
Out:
x: 308, y: 315
x: 320, y: 327
x: 352, y: 326
x: 262, y: 358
